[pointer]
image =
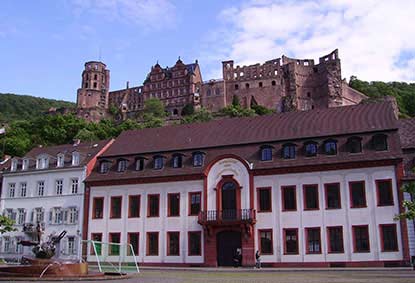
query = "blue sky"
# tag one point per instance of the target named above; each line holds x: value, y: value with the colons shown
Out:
x: 44, y: 44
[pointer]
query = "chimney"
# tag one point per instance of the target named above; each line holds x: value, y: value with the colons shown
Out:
x: 76, y: 142
x: 127, y: 85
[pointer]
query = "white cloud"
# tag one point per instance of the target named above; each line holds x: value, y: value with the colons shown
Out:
x: 371, y: 35
x: 148, y: 14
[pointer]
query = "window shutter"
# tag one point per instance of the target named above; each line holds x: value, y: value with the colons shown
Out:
x: 42, y: 213
x: 32, y: 215
x: 76, y: 216
x: 51, y: 216
x: 14, y: 215
x: 65, y: 219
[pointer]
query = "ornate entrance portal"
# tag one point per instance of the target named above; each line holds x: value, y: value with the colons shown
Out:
x: 226, y: 244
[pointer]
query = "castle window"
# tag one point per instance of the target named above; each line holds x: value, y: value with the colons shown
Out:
x: 175, y: 112
x: 380, y: 142
x: 95, y: 85
x: 288, y: 151
x: 158, y: 162
x: 86, y: 85
x: 177, y: 161
x: 310, y: 149
x: 122, y: 165
x: 236, y: 86
x: 209, y: 92
x: 95, y: 77
x: 198, y: 159
x: 354, y: 144
x: 273, y: 83
x: 246, y: 85
x: 330, y: 147
x: 260, y: 84
x: 308, y: 94
x: 217, y: 91
x: 266, y: 153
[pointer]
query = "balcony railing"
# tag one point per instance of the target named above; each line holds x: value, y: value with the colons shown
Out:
x: 227, y: 216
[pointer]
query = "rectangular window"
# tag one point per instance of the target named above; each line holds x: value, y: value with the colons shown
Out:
x: 71, y: 249
x: 39, y: 214
x: 264, y: 199
x: 74, y: 185
x: 116, y: 206
x: 134, y: 206
x: 98, y: 208
x: 56, y: 215
x: 310, y: 194
x: 265, y: 242
x: 290, y: 241
x: 173, y: 243
x: 96, y: 246
x: 173, y: 204
x: 357, y: 194
x: 114, y: 249
x: 12, y: 190
x: 40, y: 188
x: 153, y: 205
x: 59, y: 187
x: 333, y: 199
x: 361, y: 239
x: 152, y: 243
x: 195, y: 243
x: 289, y: 198
x: 133, y: 240
x: 23, y: 189
x: 335, y: 239
x: 139, y: 165
x: 313, y: 240
x: 21, y: 217
x: 195, y: 203
x: 388, y: 237
x: 71, y: 215
x: 384, y: 192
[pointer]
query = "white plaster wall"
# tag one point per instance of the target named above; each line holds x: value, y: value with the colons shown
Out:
x: 144, y: 224
x: 228, y: 166
x: 48, y: 201
x: 346, y: 216
x: 411, y: 229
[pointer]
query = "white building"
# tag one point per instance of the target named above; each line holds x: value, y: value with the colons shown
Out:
x: 46, y: 187
x: 312, y: 188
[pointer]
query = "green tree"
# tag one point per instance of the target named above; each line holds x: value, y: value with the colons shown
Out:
x: 235, y: 101
x: 409, y: 205
x: 6, y: 224
x: 154, y: 107
x: 237, y: 111
x: 86, y: 135
x: 261, y: 110
x: 202, y: 115
x: 188, y: 109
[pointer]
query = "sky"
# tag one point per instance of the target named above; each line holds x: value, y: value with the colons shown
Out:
x: 44, y: 43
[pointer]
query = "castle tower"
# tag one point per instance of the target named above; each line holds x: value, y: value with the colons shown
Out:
x: 92, y: 97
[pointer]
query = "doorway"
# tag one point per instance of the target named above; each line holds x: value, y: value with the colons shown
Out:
x: 227, y: 242
x: 229, y: 201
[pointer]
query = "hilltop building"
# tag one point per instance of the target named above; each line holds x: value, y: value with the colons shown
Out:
x: 283, y: 84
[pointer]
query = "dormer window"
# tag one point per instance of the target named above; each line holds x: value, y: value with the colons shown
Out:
x: 266, y: 153
x: 122, y: 165
x: 25, y: 164
x: 61, y: 160
x: 354, y: 144
x: 198, y: 158
x: 158, y: 162
x: 75, y: 158
x: 139, y: 164
x: 330, y: 147
x: 310, y: 149
x: 13, y: 167
x: 42, y: 162
x: 380, y: 142
x: 105, y: 166
x: 288, y: 151
x: 177, y: 161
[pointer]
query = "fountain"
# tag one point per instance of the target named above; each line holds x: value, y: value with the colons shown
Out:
x: 43, y: 265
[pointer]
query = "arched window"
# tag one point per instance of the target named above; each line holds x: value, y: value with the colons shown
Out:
x: 198, y: 158
x: 288, y: 151
x: 122, y: 165
x: 260, y: 84
x: 273, y: 83
x: 177, y: 161
x: 158, y: 162
x: 380, y: 142
x: 310, y: 149
x: 60, y: 160
x: 209, y: 92
x: 330, y: 147
x: 246, y: 85
x: 236, y: 86
x: 266, y: 153
x: 354, y: 144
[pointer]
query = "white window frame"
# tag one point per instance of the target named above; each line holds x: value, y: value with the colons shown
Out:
x: 13, y: 167
x: 60, y: 162
x: 71, y: 215
x: 56, y: 216
x: 40, y: 188
x: 23, y: 189
x: 75, y: 158
x: 11, y: 190
x: 59, y: 187
x: 25, y: 164
x: 21, y: 216
x: 74, y: 185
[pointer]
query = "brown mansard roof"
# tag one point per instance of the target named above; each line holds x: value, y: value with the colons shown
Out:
x: 407, y: 133
x: 237, y: 131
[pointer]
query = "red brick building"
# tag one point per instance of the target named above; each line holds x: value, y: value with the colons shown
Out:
x: 283, y: 84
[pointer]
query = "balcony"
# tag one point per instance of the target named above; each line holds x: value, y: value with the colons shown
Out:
x: 227, y: 217
x: 31, y: 228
